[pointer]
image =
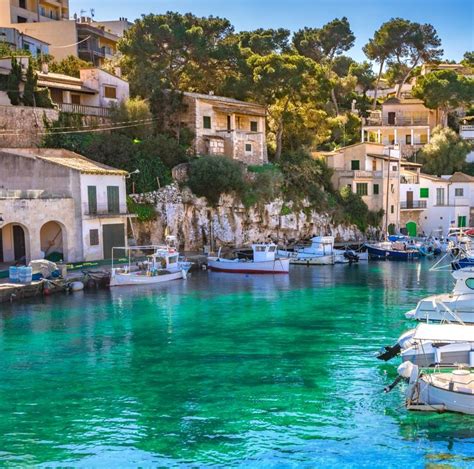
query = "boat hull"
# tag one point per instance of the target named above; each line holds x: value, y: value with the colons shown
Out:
x: 445, y: 307
x: 123, y: 279
x: 279, y: 266
x: 426, y: 393
x: 380, y: 253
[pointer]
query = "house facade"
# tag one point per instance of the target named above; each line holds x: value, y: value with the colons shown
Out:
x: 405, y: 122
x: 433, y: 205
x: 81, y: 38
x: 56, y: 201
x: 33, y: 11
x: 20, y: 41
x: 372, y: 171
x: 226, y: 127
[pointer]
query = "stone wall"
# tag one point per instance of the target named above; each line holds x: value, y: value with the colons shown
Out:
x: 196, y: 224
x: 21, y: 127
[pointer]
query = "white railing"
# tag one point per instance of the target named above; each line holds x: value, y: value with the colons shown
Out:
x: 84, y: 109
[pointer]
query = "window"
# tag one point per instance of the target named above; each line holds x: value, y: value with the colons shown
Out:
x: 355, y: 165
x: 113, y: 202
x: 423, y: 138
x: 392, y: 208
x: 424, y: 192
x: 253, y: 126
x: 20, y: 19
x: 76, y: 99
x: 470, y: 283
x: 440, y: 196
x: 361, y: 188
x: 94, y: 237
x: 22, y: 3
x: 408, y: 139
x: 374, y: 165
x: 394, y: 169
x: 110, y: 92
x: 206, y: 122
x: 459, y: 192
x: 391, y: 139
x: 229, y: 123
x: 92, y: 199
x: 248, y: 148
x: 461, y: 222
x: 376, y: 189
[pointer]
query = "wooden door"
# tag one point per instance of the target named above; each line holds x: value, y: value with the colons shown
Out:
x: 409, y: 199
x: 391, y: 118
x: 113, y: 236
x: 19, y: 246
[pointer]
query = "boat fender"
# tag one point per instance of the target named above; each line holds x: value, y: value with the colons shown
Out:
x: 77, y: 286
x: 46, y: 288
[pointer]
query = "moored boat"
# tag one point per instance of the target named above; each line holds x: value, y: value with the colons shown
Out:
x: 264, y: 261
x: 398, y: 250
x: 457, y: 306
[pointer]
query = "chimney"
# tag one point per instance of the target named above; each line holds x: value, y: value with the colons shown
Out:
x: 118, y: 71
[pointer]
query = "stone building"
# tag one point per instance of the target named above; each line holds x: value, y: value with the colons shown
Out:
x: 226, y: 127
x: 56, y: 201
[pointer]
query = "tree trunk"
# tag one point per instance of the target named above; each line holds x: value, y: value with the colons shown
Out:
x: 334, y: 101
x: 279, y: 140
x: 405, y: 78
x: 377, y: 84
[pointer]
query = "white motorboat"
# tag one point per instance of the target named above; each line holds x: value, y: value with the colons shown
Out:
x: 438, y: 391
x: 429, y: 345
x: 457, y: 306
x: 264, y: 261
x: 320, y: 252
x: 163, y: 265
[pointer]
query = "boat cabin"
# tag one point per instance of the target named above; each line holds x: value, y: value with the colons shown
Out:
x: 264, y: 252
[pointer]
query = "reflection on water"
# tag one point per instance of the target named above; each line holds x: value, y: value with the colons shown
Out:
x: 222, y: 369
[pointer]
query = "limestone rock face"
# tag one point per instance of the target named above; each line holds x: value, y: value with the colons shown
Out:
x: 196, y: 224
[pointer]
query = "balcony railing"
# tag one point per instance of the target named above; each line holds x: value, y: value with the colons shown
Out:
x: 413, y: 204
x: 409, y: 180
x: 398, y: 121
x: 84, y: 109
x: 103, y: 210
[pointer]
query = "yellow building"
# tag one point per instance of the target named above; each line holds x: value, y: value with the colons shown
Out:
x: 32, y: 11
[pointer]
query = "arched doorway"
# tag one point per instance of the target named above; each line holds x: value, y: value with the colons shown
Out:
x: 14, y: 243
x: 412, y: 228
x: 51, y: 239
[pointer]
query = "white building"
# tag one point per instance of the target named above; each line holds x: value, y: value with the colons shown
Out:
x: 56, y: 201
x: 431, y: 204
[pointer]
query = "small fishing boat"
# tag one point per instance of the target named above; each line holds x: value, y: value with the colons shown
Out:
x: 429, y: 345
x: 393, y: 250
x: 457, y: 306
x: 163, y: 265
x: 437, y: 391
x: 264, y: 261
x: 321, y: 251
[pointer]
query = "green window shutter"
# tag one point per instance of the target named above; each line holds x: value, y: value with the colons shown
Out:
x: 376, y: 189
x: 113, y: 202
x: 355, y: 165
x: 424, y: 192
x: 92, y: 199
x: 461, y: 222
x: 361, y: 188
x: 206, y: 122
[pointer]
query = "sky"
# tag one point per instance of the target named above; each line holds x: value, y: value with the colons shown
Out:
x: 453, y: 19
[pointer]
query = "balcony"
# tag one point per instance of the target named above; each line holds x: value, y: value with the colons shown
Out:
x: 413, y: 205
x: 84, y: 110
x: 466, y: 132
x: 398, y: 121
x: 409, y: 179
x: 103, y: 210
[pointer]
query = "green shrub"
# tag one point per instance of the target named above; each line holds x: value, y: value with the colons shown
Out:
x: 144, y: 212
x: 211, y: 176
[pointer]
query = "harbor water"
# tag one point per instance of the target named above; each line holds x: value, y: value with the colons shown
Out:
x: 222, y: 369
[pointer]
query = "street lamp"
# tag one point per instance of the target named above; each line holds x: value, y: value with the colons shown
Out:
x: 129, y: 175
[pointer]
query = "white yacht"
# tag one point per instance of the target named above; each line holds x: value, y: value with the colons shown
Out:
x: 457, y: 306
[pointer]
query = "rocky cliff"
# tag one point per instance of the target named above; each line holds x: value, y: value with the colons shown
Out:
x: 196, y: 224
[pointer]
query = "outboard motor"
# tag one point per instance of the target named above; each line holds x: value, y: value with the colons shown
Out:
x: 404, y: 341
x: 351, y: 256
x: 405, y: 373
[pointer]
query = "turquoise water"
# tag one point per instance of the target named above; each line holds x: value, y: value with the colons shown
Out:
x: 222, y: 370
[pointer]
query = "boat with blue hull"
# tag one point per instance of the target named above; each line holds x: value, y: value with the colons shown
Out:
x: 392, y: 251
